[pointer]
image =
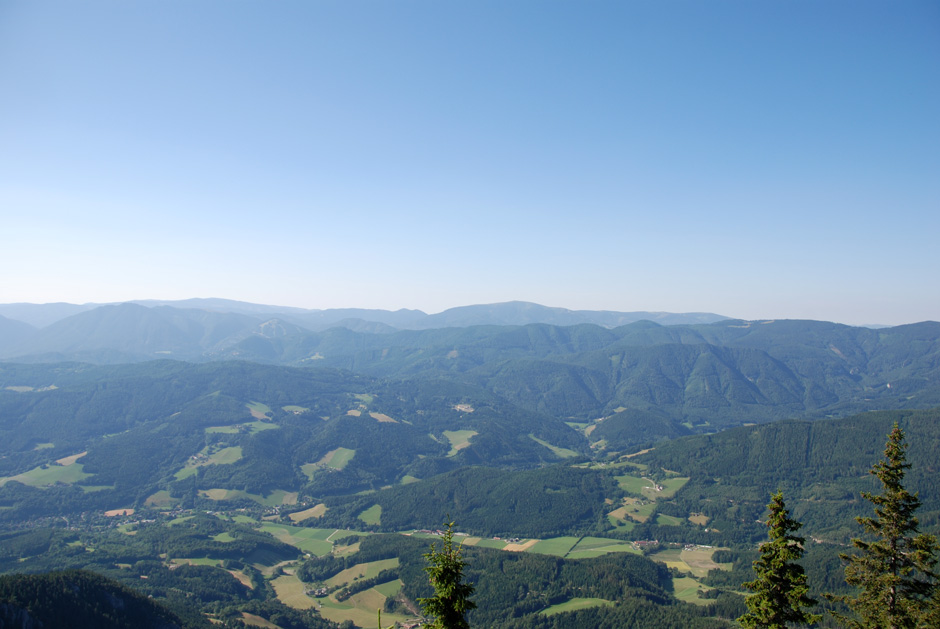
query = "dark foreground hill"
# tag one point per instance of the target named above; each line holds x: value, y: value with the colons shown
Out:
x: 77, y: 598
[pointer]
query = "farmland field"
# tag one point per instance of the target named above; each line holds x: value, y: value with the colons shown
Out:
x: 259, y: 410
x: 68, y: 472
x: 564, y: 453
x: 459, y: 439
x: 313, y: 512
x: 372, y: 515
x: 597, y: 546
x: 249, y: 427
x: 292, y: 592
x: 276, y: 498
x: 558, y: 546
x: 575, y: 604
x: 308, y: 540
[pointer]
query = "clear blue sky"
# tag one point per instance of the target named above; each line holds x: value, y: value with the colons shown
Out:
x: 755, y: 159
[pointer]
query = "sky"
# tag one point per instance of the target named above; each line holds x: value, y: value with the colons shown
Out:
x: 759, y: 160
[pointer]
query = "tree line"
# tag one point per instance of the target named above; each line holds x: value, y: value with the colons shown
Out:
x: 892, y: 570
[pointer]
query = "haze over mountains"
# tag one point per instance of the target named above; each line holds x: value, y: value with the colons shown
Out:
x: 694, y: 370
x: 231, y: 434
x: 508, y: 313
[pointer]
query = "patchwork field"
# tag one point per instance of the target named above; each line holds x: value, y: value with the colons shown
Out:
x: 597, y: 546
x: 313, y: 541
x: 459, y: 439
x: 696, y: 561
x: 564, y: 453
x: 210, y: 455
x: 362, y: 571
x: 313, y: 512
x: 66, y: 470
x: 276, y: 498
x: 259, y: 410
x: 574, y: 605
x: 372, y: 515
x: 248, y: 428
x: 292, y: 592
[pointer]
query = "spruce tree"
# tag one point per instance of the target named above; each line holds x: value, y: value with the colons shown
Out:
x: 780, y: 590
x: 451, y: 600
x: 895, y: 572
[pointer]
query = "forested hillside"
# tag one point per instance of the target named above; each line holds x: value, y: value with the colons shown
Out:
x: 268, y: 478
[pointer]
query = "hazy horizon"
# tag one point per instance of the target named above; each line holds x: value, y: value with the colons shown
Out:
x: 773, y: 160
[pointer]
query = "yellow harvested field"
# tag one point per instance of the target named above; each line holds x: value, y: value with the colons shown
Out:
x: 292, y: 592
x: 69, y: 460
x: 306, y: 514
x: 257, y: 621
x: 620, y: 514
x: 115, y: 512
x: 362, y: 570
x: 243, y: 578
x: 524, y: 546
x: 354, y: 413
x: 215, y: 494
x: 698, y: 518
x: 383, y: 418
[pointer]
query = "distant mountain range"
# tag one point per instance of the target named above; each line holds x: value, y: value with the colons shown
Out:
x: 508, y: 313
x: 673, y: 379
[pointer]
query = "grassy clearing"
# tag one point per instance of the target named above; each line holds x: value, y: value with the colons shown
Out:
x: 558, y: 546
x: 695, y: 562
x: 338, y: 458
x: 210, y: 455
x: 671, y: 485
x: 698, y: 518
x: 700, y: 561
x: 296, y: 410
x: 597, y: 546
x: 668, y: 520
x: 372, y: 515
x: 686, y: 589
x: 633, y: 509
x: 498, y: 544
x: 359, y: 609
x: 70, y: 460
x: 390, y: 589
x: 575, y: 604
x: 407, y: 480
x: 292, y: 592
x: 43, y: 476
x: 365, y: 398
x: 307, y: 540
x: 563, y: 453
x: 247, y: 428
x: 313, y: 512
x: 459, y: 439
x: 259, y: 410
x: 621, y: 526
x: 633, y: 484
x: 362, y: 571
x: 224, y: 536
x: 196, y: 561
x: 277, y: 497
x: 254, y: 620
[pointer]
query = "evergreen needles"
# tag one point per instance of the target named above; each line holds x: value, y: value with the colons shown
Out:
x: 780, y: 589
x: 894, y: 573
x: 451, y: 600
